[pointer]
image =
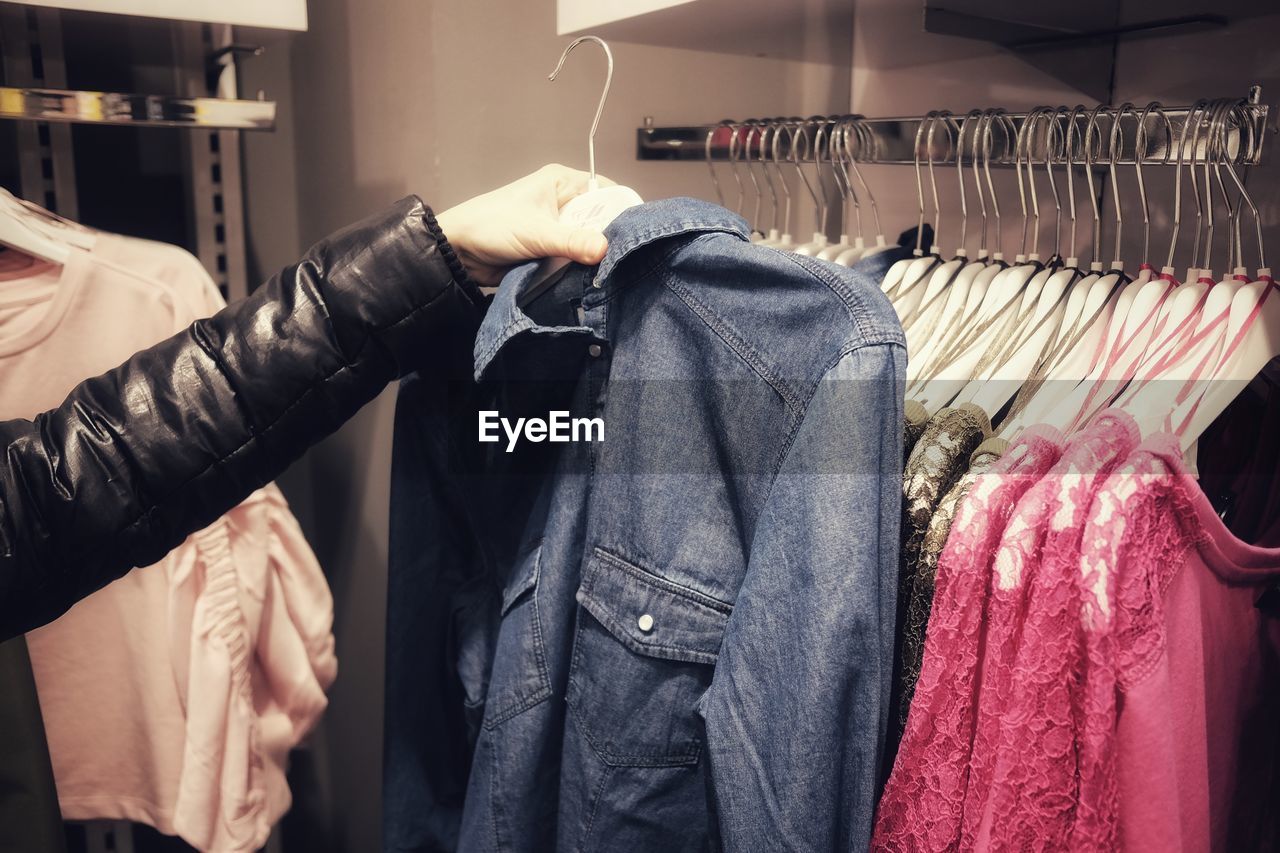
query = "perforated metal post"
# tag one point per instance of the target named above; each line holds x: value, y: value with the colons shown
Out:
x: 33, y: 56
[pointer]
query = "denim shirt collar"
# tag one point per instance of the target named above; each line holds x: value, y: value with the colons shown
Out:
x: 634, y: 229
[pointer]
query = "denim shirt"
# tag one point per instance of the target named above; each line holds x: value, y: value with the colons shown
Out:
x: 679, y: 637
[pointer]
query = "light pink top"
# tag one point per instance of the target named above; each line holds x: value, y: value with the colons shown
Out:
x: 172, y: 696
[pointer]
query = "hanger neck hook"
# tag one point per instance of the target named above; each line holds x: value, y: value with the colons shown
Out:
x: 715, y: 179
x: 1054, y: 132
x: 1247, y: 121
x: 1007, y: 130
x: 868, y: 152
x: 851, y: 195
x: 920, y: 132
x: 1115, y: 152
x: 1071, y: 135
x: 1139, y: 157
x: 594, y: 183
x: 1193, y: 113
x: 1020, y: 139
x: 1091, y: 133
x: 964, y: 203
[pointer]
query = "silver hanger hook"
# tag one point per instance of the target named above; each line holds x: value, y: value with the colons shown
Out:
x: 920, y: 131
x: 604, y: 96
x: 779, y: 126
x: 1051, y: 154
x: 1092, y: 132
x: 1215, y: 154
x: 947, y: 121
x: 1009, y: 132
x: 1019, y: 143
x: 752, y: 127
x: 1246, y: 122
x: 1139, y: 157
x: 845, y: 159
x: 839, y: 156
x: 1115, y: 152
x: 1177, y: 180
x: 866, y: 142
x: 823, y: 211
x: 735, y: 130
x: 768, y: 125
x: 964, y: 204
x: 974, y: 148
x: 1030, y: 127
x: 1069, y: 157
x: 800, y: 130
x: 1213, y: 119
x: 715, y: 179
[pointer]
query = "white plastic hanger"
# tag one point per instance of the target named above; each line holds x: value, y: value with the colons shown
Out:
x: 19, y: 232
x: 1252, y: 338
x: 907, y: 293
x: 598, y: 206
x: 1135, y: 319
x: 974, y: 279
x: 1005, y: 306
x: 942, y: 291
x: 1091, y: 308
x: 1232, y: 310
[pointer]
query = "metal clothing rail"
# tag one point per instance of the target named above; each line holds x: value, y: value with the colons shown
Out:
x: 894, y: 140
x: 66, y: 105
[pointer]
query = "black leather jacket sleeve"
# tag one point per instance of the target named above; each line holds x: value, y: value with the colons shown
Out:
x: 137, y: 459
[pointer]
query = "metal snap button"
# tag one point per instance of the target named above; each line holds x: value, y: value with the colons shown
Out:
x: 595, y: 350
x: 645, y: 622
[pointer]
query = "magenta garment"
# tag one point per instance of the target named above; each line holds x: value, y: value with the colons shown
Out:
x: 1031, y: 714
x: 1197, y: 635
x: 921, y: 805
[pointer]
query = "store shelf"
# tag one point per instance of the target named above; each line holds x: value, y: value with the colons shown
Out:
x: 78, y: 107
x: 810, y: 30
x: 277, y: 14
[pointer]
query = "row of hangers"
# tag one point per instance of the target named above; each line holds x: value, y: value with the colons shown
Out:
x: 1055, y: 340
x: 837, y: 143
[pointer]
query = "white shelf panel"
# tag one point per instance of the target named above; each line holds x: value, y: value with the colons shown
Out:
x: 276, y: 14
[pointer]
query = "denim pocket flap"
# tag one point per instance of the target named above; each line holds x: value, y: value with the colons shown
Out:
x: 523, y: 578
x: 651, y: 615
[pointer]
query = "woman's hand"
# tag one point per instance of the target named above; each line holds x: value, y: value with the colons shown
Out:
x: 521, y: 221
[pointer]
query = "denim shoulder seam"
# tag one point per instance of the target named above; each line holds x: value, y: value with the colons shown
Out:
x: 794, y: 430
x: 870, y: 331
x: 740, y: 347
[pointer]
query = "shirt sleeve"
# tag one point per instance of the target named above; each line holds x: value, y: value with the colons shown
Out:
x: 797, y: 709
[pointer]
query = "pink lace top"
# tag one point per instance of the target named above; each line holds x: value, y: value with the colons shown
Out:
x: 922, y: 801
x: 1024, y: 773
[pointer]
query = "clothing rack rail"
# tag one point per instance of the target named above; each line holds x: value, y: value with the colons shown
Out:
x: 899, y: 140
x: 66, y: 105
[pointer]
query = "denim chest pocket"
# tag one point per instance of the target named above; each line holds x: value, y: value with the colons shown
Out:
x: 519, y: 679
x: 644, y: 654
